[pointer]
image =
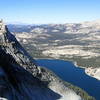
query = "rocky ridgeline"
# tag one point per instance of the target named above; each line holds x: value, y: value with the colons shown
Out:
x: 2, y: 27
x: 22, y: 79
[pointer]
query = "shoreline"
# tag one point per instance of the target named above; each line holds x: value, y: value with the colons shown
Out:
x: 90, y: 71
x: 93, y: 72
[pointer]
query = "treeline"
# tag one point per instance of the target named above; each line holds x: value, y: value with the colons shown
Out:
x: 79, y: 91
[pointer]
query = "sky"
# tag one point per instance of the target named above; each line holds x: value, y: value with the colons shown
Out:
x: 49, y: 11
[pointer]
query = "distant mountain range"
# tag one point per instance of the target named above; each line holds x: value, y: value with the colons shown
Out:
x: 68, y: 27
x: 78, y: 42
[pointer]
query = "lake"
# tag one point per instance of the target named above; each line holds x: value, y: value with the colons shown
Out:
x: 67, y: 71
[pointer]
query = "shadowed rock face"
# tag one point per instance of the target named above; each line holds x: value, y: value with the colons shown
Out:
x: 22, y: 79
x: 18, y: 84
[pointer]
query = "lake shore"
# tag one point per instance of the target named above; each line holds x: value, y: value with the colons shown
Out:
x: 91, y: 71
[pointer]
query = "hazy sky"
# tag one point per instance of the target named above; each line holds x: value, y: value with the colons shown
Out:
x: 49, y: 11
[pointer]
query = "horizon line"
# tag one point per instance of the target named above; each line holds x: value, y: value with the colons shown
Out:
x: 36, y: 23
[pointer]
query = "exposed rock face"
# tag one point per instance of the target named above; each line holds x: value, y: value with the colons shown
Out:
x: 93, y: 72
x: 22, y: 79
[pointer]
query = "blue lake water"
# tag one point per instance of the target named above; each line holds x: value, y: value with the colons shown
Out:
x: 67, y: 71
